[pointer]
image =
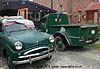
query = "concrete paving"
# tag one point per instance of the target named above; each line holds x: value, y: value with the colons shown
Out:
x: 1, y: 65
x: 72, y: 58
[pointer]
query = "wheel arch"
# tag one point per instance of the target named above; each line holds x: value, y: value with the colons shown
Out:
x: 4, y: 53
x: 64, y: 37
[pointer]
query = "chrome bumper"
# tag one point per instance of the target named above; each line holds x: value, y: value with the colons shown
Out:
x: 27, y: 61
x: 33, y: 57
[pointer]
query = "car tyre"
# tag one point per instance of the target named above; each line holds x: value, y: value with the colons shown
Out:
x: 9, y: 62
x: 49, y: 57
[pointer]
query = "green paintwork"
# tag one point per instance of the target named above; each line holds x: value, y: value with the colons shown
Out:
x: 72, y: 32
x: 28, y: 38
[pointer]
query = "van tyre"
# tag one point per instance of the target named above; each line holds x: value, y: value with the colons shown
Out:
x: 9, y: 62
x: 59, y: 44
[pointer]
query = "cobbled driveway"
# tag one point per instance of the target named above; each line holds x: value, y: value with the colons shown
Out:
x: 72, y: 58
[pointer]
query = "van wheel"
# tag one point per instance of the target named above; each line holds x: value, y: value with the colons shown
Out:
x: 59, y: 44
x: 9, y: 62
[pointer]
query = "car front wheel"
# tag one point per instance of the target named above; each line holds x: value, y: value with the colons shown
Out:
x: 9, y: 62
x: 49, y: 57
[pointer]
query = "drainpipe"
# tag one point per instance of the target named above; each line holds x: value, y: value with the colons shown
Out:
x: 70, y: 6
x: 99, y: 16
x: 51, y: 4
x: 98, y: 22
x: 69, y: 10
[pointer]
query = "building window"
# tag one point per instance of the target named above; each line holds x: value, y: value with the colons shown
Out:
x: 34, y: 16
x: 79, y: 16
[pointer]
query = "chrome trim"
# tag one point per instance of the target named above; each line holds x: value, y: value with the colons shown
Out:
x: 88, y: 41
x: 85, y: 26
x: 33, y: 59
x: 36, y: 56
x: 31, y: 55
x: 35, y: 50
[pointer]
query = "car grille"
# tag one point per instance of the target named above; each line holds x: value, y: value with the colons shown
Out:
x: 40, y: 50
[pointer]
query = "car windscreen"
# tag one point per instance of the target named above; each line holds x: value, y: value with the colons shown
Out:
x: 13, y: 26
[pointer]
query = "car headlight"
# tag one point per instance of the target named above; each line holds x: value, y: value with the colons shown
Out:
x: 51, y: 38
x: 18, y: 45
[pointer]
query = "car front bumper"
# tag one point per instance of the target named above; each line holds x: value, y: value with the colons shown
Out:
x: 29, y: 56
x: 28, y: 60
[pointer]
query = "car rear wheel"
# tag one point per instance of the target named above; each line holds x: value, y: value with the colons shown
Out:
x: 59, y: 44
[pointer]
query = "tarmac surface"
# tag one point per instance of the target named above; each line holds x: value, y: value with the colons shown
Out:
x: 1, y: 65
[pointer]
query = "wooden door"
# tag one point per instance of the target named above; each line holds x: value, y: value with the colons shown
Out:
x: 23, y: 12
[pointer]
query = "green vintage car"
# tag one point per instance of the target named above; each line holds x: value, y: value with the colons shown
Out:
x: 20, y: 43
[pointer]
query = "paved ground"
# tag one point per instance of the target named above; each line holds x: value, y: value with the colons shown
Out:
x: 1, y: 65
x: 72, y: 58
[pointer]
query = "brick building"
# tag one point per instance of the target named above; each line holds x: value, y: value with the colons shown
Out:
x: 68, y: 6
x: 76, y: 7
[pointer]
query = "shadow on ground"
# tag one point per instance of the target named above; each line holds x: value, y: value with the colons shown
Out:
x: 77, y: 49
x: 41, y: 64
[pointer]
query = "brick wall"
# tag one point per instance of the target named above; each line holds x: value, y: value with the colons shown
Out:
x: 55, y: 4
x: 69, y: 6
x: 80, y: 5
x: 43, y: 2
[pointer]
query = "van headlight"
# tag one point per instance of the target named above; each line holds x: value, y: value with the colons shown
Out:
x: 51, y: 39
x: 92, y: 31
x: 18, y: 45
